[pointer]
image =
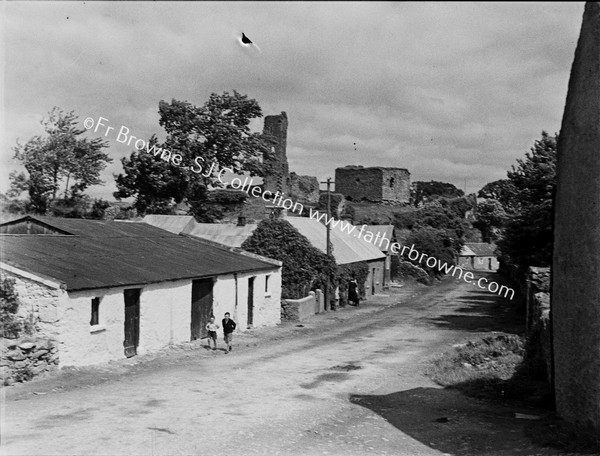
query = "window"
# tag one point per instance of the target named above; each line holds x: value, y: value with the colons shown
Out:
x: 267, y: 292
x: 95, y: 320
x: 391, y: 182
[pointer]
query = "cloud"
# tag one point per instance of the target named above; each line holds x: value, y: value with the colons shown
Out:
x: 450, y: 91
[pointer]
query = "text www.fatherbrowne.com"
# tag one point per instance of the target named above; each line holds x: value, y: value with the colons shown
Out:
x: 246, y: 184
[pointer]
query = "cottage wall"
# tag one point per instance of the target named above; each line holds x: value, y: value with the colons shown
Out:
x: 165, y: 313
x: 267, y: 305
x: 83, y: 344
x: 376, y: 271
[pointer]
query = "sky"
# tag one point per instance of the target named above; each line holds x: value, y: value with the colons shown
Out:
x: 454, y: 92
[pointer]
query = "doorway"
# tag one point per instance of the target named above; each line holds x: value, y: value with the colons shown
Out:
x: 202, y: 307
x: 251, y: 301
x: 132, y: 321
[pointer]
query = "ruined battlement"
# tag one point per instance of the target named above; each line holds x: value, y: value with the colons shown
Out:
x: 375, y: 184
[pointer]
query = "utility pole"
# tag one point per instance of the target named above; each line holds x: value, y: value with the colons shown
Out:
x: 328, y: 239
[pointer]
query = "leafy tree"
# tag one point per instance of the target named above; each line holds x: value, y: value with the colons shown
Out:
x: 529, y: 233
x: 427, y: 191
x: 154, y: 183
x: 215, y: 134
x: 99, y: 207
x: 435, y: 243
x: 490, y: 218
x: 59, y: 158
x: 305, y: 267
x: 502, y: 190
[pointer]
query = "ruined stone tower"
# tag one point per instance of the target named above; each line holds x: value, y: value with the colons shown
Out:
x: 276, y: 165
x: 376, y: 184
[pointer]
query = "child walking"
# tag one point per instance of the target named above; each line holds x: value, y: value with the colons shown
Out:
x: 212, y: 328
x: 228, y: 328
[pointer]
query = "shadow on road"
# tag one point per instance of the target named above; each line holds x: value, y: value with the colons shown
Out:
x: 482, y: 311
x: 448, y: 421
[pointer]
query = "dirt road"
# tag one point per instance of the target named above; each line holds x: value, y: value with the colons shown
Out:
x: 317, y: 389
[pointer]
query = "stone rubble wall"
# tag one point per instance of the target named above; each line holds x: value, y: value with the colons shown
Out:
x: 539, y: 336
x: 23, y: 359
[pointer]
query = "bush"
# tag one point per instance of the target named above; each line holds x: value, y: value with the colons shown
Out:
x: 305, y: 268
x: 10, y: 327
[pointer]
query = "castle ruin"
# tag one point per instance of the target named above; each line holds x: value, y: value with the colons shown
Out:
x: 277, y: 176
x: 376, y: 184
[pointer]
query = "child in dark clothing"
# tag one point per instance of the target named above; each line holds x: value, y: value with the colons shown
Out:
x: 228, y: 328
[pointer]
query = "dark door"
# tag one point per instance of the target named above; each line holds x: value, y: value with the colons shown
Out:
x: 132, y: 321
x: 373, y: 282
x: 250, y: 301
x: 202, y: 307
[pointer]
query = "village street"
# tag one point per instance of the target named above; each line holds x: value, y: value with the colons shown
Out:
x: 289, y: 390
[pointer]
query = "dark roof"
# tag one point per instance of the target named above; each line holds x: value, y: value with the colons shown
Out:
x: 102, y: 254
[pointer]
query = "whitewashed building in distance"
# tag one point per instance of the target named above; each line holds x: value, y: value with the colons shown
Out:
x: 106, y: 290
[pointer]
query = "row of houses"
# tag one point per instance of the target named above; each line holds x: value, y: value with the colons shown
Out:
x: 105, y: 290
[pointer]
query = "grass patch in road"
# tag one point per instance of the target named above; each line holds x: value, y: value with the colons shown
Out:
x: 490, y: 367
x: 494, y: 367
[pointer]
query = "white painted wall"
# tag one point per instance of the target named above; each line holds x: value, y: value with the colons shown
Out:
x: 165, y: 314
x: 267, y: 305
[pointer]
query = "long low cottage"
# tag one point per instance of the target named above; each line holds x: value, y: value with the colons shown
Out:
x: 105, y: 290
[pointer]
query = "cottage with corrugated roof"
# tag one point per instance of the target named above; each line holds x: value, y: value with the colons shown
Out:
x: 478, y: 255
x: 106, y: 290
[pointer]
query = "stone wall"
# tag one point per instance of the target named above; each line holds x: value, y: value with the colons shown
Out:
x: 304, y: 189
x: 358, y: 183
x: 299, y: 309
x: 539, y: 335
x: 576, y: 259
x: 396, y: 185
x: 23, y: 359
x: 38, y: 305
x: 376, y: 184
x: 276, y: 163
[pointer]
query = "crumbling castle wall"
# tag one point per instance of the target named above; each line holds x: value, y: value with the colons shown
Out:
x: 276, y: 165
x: 304, y: 189
x: 376, y: 184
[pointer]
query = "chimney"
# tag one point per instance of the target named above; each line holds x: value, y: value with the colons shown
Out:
x: 241, y: 220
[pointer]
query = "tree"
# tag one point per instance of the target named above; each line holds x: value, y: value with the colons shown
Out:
x: 490, y: 218
x: 214, y: 136
x: 502, y: 190
x: 59, y: 158
x: 435, y: 243
x: 154, y: 183
x: 529, y: 233
x: 305, y: 267
x: 426, y: 191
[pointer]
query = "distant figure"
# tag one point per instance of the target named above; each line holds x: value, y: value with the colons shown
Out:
x: 353, y: 292
x: 212, y: 328
x: 228, y: 328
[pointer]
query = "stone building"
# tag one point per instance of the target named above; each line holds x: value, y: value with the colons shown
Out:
x: 276, y: 165
x: 304, y: 189
x: 105, y: 290
x: 376, y: 184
